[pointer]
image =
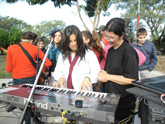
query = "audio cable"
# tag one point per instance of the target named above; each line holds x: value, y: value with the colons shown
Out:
x: 79, y: 117
x: 65, y: 120
x: 72, y: 114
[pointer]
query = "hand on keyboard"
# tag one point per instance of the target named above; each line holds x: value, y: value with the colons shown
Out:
x: 85, y: 83
x: 60, y: 82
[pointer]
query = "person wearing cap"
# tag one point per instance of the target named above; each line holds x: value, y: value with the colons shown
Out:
x: 53, y: 54
x: 101, y: 30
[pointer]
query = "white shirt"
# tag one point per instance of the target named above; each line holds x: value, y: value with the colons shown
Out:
x: 88, y: 67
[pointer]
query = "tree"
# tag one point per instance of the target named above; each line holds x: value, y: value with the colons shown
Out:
x: 15, y: 35
x: 152, y: 12
x: 9, y: 22
x: 45, y: 26
x: 130, y: 29
x: 92, y: 8
x: 3, y: 38
x: 11, y: 30
x: 8, y: 38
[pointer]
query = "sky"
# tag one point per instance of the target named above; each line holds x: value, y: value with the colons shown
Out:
x: 37, y: 13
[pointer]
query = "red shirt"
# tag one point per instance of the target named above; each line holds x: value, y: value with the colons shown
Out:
x: 97, y: 54
x: 19, y: 64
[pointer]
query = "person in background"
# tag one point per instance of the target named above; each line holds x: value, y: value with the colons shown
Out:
x: 121, y: 68
x: 19, y: 65
x: 148, y: 49
x: 93, y: 42
x: 101, y: 30
x: 54, y: 54
x: 100, y: 37
x: 104, y: 43
x: 41, y: 43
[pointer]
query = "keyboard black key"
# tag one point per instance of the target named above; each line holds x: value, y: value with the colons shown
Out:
x: 90, y: 94
x: 60, y: 91
x: 74, y: 92
x: 63, y: 91
x: 102, y: 96
x: 98, y: 96
x: 45, y: 89
x: 87, y: 94
x: 68, y: 92
x: 39, y: 88
x: 71, y: 92
x: 78, y: 93
x: 94, y: 95
x: 55, y: 90
x: 82, y: 93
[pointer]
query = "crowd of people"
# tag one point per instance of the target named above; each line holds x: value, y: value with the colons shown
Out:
x: 79, y: 59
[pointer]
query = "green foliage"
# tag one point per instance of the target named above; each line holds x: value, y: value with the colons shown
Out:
x: 7, y: 23
x: 3, y: 72
x: 93, y: 8
x: 151, y: 12
x: 11, y: 30
x: 34, y: 2
x: 15, y: 35
x: 45, y: 26
x: 90, y: 6
x: 8, y: 38
x: 11, y: 34
x: 3, y: 37
x: 130, y: 29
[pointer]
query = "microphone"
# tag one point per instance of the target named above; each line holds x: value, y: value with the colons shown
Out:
x: 57, y: 28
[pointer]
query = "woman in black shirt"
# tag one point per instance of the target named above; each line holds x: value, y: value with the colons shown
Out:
x: 121, y: 68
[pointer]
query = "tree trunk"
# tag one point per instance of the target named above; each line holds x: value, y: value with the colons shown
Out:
x: 158, y: 45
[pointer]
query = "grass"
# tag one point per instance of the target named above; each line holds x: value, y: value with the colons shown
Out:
x: 4, y: 74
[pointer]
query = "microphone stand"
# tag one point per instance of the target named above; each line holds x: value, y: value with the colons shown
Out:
x: 35, y: 83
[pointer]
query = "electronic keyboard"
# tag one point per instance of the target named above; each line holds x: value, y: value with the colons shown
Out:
x: 96, y: 107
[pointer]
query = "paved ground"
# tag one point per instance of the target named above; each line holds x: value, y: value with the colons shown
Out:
x: 12, y: 117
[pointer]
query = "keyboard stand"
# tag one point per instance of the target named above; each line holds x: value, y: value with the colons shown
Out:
x: 156, y: 108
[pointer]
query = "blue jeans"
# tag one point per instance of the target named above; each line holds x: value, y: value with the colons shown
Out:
x: 29, y: 80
